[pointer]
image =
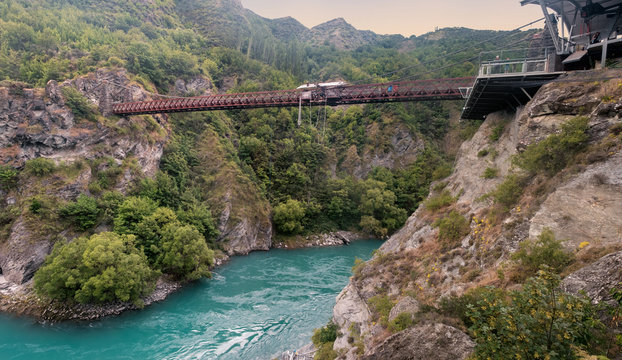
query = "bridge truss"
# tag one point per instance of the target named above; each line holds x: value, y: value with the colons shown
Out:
x: 416, y: 90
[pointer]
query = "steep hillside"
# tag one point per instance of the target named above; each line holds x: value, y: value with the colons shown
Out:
x: 549, y: 171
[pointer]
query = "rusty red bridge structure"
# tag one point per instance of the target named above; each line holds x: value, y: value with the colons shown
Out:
x: 416, y: 90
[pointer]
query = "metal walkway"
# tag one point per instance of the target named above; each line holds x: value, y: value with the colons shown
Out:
x: 419, y: 90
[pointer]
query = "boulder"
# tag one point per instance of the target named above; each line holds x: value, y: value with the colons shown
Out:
x: 405, y: 305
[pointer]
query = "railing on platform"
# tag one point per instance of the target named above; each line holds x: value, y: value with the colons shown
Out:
x: 515, y: 61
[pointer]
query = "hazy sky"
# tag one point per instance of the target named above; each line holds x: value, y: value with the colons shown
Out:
x: 406, y: 17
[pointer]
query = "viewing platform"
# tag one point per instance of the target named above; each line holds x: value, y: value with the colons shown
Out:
x: 509, y: 83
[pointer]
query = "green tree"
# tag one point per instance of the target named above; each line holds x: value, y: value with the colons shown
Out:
x: 199, y: 216
x: 288, y: 216
x: 103, y: 268
x: 379, y: 203
x: 150, y: 229
x: 131, y: 212
x: 184, y: 253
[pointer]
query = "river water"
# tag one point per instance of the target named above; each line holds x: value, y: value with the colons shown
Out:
x: 255, y: 307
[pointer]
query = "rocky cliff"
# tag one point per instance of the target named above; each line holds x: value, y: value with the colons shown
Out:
x: 37, y: 123
x: 580, y: 204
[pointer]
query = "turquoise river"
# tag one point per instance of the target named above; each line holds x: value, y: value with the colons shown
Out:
x: 255, y: 307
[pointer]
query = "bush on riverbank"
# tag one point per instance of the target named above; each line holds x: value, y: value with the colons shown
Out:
x: 105, y: 267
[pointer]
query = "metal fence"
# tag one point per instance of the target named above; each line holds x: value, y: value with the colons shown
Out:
x: 515, y: 61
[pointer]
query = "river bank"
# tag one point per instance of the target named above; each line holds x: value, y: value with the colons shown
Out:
x: 21, y: 300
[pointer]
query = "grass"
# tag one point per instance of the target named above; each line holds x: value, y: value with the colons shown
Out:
x: 490, y: 173
x: 440, y: 201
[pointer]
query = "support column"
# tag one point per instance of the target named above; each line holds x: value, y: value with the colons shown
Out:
x: 299, y: 110
x: 603, y: 59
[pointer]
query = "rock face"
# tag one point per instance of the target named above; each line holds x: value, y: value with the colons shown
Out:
x: 38, y: 123
x: 195, y: 87
x: 587, y: 207
x: 429, y: 341
x: 403, y: 151
x: 597, y: 279
x: 336, y: 238
x: 350, y: 310
x: 581, y: 205
x: 243, y: 214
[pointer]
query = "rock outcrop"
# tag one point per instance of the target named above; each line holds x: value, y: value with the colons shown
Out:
x: 596, y: 280
x: 580, y: 204
x: 243, y: 214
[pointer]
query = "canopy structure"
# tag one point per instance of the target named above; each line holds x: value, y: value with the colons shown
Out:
x: 582, y: 25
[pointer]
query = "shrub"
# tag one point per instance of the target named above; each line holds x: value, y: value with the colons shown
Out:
x: 103, y: 268
x: 288, y: 216
x: 8, y: 176
x: 497, y: 131
x: 483, y: 152
x: 458, y: 306
x: 44, y: 207
x: 325, y: 352
x: 509, y: 191
x: 359, y: 264
x: 83, y: 212
x: 451, y: 229
x: 553, y: 153
x: 401, y: 322
x: 490, y: 173
x: 440, y: 201
x: 40, y: 166
x: 537, y: 322
x: 184, y: 253
x: 79, y: 105
x: 545, y: 250
x: 325, y: 334
x: 382, y: 305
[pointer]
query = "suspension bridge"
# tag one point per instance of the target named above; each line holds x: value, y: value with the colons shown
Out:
x: 313, y: 95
